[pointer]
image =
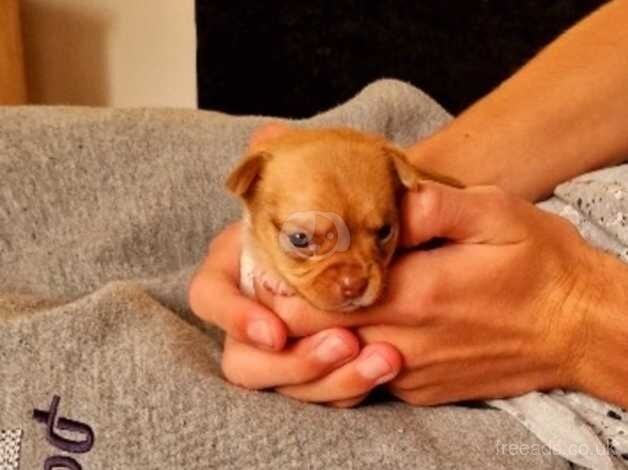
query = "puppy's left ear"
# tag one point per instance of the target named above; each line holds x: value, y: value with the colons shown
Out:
x: 243, y: 178
x: 410, y: 176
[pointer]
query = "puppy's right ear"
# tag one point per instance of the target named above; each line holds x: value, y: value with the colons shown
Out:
x: 411, y: 177
x: 243, y: 178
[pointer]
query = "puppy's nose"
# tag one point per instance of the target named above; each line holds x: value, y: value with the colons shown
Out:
x: 352, y: 284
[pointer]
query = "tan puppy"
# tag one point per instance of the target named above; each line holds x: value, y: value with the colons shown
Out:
x: 321, y: 214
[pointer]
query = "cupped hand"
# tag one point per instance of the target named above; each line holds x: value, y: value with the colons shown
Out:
x: 214, y: 295
x: 326, y: 367
x: 500, y: 309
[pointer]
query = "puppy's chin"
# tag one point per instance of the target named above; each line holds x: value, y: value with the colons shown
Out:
x: 346, y: 306
x: 327, y: 299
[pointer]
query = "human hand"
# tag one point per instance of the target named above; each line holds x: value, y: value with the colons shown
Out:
x: 214, y: 295
x: 327, y: 367
x: 500, y: 310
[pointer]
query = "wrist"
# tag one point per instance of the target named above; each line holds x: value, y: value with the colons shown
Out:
x: 595, y: 361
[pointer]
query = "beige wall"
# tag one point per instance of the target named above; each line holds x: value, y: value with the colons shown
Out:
x: 110, y: 52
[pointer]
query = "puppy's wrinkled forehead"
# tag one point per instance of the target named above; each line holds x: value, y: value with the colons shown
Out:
x: 332, y: 176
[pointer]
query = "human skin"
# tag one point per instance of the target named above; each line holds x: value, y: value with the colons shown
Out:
x: 516, y: 302
x: 550, y: 311
x: 561, y: 115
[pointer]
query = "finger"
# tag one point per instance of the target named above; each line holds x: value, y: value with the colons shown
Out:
x: 305, y: 360
x: 217, y: 300
x: 377, y: 363
x: 455, y: 389
x: 266, y: 132
x: 474, y: 215
x: 224, y: 251
x: 214, y: 295
x: 350, y: 403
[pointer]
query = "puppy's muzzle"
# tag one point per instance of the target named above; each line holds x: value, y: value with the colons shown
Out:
x: 352, y: 282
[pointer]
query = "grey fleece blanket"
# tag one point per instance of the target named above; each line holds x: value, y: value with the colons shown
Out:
x: 103, y: 216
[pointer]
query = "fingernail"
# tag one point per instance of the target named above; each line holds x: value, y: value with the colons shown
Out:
x: 332, y: 349
x: 374, y: 367
x: 259, y: 332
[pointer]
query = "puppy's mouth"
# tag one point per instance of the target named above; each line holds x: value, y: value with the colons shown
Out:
x: 354, y: 304
x: 347, y: 306
x: 341, y: 288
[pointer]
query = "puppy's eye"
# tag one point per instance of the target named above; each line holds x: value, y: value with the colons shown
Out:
x: 299, y: 239
x: 384, y: 233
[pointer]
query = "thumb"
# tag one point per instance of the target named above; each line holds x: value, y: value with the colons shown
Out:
x: 481, y: 214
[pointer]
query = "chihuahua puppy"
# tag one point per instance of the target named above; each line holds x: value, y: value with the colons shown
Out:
x: 321, y: 214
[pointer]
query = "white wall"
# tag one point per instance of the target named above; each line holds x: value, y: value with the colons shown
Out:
x: 110, y: 52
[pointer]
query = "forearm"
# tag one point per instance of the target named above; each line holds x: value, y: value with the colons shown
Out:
x: 561, y: 115
x: 601, y: 364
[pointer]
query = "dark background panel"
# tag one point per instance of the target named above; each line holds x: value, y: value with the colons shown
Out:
x: 290, y: 58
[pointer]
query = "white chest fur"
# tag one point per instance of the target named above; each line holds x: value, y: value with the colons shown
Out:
x: 253, y: 270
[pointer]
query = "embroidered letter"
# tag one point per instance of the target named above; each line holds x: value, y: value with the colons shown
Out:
x: 76, y: 447
x: 58, y: 461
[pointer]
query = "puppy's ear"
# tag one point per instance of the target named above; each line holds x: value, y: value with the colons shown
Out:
x: 410, y: 176
x: 243, y: 178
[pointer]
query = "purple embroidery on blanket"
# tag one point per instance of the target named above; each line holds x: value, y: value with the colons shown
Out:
x: 57, y: 461
x: 48, y: 418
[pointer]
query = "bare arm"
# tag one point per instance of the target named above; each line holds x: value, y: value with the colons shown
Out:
x: 564, y: 113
